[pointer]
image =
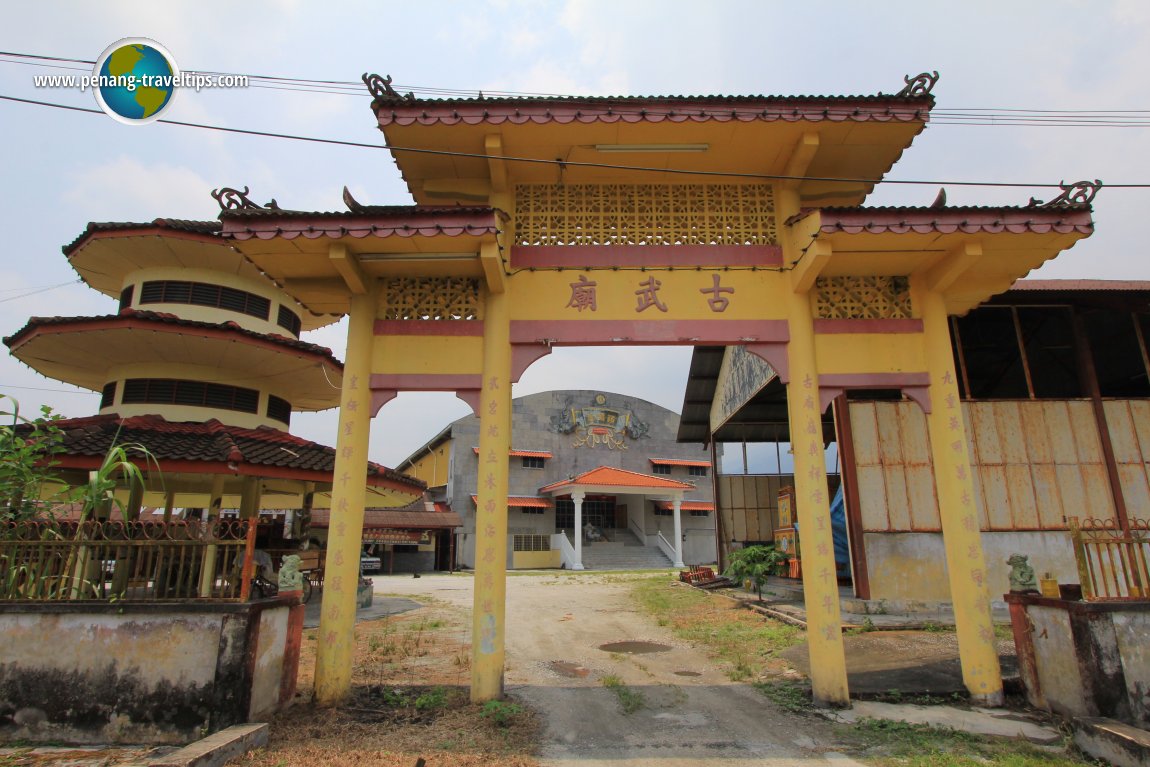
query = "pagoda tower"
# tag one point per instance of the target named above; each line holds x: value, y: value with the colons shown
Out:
x: 202, y: 364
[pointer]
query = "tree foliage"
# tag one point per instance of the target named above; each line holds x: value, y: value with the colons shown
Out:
x: 28, y: 450
x: 754, y: 564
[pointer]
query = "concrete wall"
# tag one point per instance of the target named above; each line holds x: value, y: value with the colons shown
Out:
x: 1084, y: 658
x: 141, y: 673
x: 910, y: 567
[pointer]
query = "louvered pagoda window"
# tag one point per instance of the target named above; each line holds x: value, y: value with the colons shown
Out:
x: 204, y: 294
x: 289, y: 321
x: 167, y: 391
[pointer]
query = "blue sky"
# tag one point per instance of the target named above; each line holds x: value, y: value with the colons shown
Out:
x: 63, y: 169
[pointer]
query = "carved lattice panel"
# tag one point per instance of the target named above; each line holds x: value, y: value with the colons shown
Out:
x: 431, y: 298
x: 645, y: 214
x: 862, y: 298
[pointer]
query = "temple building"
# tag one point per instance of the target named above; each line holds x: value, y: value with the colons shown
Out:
x: 582, y: 458
x: 203, y: 366
x: 1054, y: 394
x: 716, y: 222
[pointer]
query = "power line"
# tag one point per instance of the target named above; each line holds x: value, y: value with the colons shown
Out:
x: 570, y: 163
x: 39, y: 290
x: 975, y: 116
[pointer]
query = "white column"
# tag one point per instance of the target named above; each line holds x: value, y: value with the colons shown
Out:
x: 577, y: 497
x: 678, y: 502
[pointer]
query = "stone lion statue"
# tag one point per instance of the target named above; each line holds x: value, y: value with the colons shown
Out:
x: 1021, y: 574
x: 290, y: 578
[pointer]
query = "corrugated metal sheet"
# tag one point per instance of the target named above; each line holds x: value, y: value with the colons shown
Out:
x: 1035, y: 463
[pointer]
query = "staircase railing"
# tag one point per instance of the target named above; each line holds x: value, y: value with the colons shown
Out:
x: 561, y: 542
x: 665, y: 546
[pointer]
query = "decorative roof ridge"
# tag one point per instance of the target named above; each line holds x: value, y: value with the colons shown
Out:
x: 168, y: 318
x: 225, y: 436
x: 210, y: 228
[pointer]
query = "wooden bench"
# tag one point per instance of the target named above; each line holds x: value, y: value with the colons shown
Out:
x: 703, y: 577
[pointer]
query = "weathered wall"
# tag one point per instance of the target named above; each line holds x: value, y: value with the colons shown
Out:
x: 1084, y: 658
x: 1036, y: 463
x: 138, y: 673
x: 912, y: 566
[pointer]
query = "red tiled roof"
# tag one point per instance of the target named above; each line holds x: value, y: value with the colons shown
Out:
x: 210, y: 228
x: 517, y: 453
x: 687, y: 505
x: 609, y: 476
x: 396, y: 519
x: 209, y: 446
x: 679, y: 462
x: 946, y: 220
x: 132, y: 318
x: 635, y: 109
x: 1082, y: 285
x: 374, y: 221
x: 522, y: 501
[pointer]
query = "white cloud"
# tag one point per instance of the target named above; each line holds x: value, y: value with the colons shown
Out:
x: 126, y: 189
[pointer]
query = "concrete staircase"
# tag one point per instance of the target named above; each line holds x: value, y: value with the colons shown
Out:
x: 623, y: 552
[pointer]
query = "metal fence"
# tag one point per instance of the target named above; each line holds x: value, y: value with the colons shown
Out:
x: 128, y: 561
x: 1112, y: 561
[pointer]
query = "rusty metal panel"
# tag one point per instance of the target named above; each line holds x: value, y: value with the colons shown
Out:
x: 1011, y: 431
x: 1085, y: 430
x: 921, y: 494
x: 738, y: 500
x: 915, y: 438
x: 864, y: 429
x: 896, y: 501
x: 988, y: 444
x: 979, y: 501
x: 1023, y: 506
x: 872, y: 498
x: 1058, y: 426
x: 1047, y: 496
x: 996, y: 496
x: 890, y: 441
x: 1140, y: 415
x: 1135, y: 489
x: 1072, y: 491
x: 1099, y: 496
x: 1035, y: 437
x: 1122, y: 435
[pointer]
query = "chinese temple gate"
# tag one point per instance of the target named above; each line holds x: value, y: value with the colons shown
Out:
x: 714, y: 221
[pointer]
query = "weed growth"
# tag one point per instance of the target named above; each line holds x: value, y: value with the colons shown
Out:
x: 629, y: 700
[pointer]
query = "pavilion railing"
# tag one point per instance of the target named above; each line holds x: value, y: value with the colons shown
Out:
x: 1112, y: 561
x: 61, y: 560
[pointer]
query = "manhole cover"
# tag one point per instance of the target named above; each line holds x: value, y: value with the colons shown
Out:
x: 634, y: 648
x: 568, y: 669
x: 687, y: 673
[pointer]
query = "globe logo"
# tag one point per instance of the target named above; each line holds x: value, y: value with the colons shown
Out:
x: 134, y: 80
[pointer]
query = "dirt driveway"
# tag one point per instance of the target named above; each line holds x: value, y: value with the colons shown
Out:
x: 557, y: 627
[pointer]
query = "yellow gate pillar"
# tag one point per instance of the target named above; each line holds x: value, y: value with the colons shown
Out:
x: 965, y: 562
x: 816, y: 546
x: 349, y: 486
x: 488, y: 610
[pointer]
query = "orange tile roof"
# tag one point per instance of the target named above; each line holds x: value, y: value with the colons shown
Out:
x: 687, y: 505
x: 679, y: 462
x: 523, y: 501
x: 518, y: 453
x: 611, y: 477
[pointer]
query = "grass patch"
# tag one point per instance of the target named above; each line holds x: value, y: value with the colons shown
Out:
x: 742, y: 641
x: 629, y: 700
x: 500, y: 713
x: 791, y: 697
x: 883, y: 743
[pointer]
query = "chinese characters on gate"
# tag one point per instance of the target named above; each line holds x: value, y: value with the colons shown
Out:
x: 583, y: 295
